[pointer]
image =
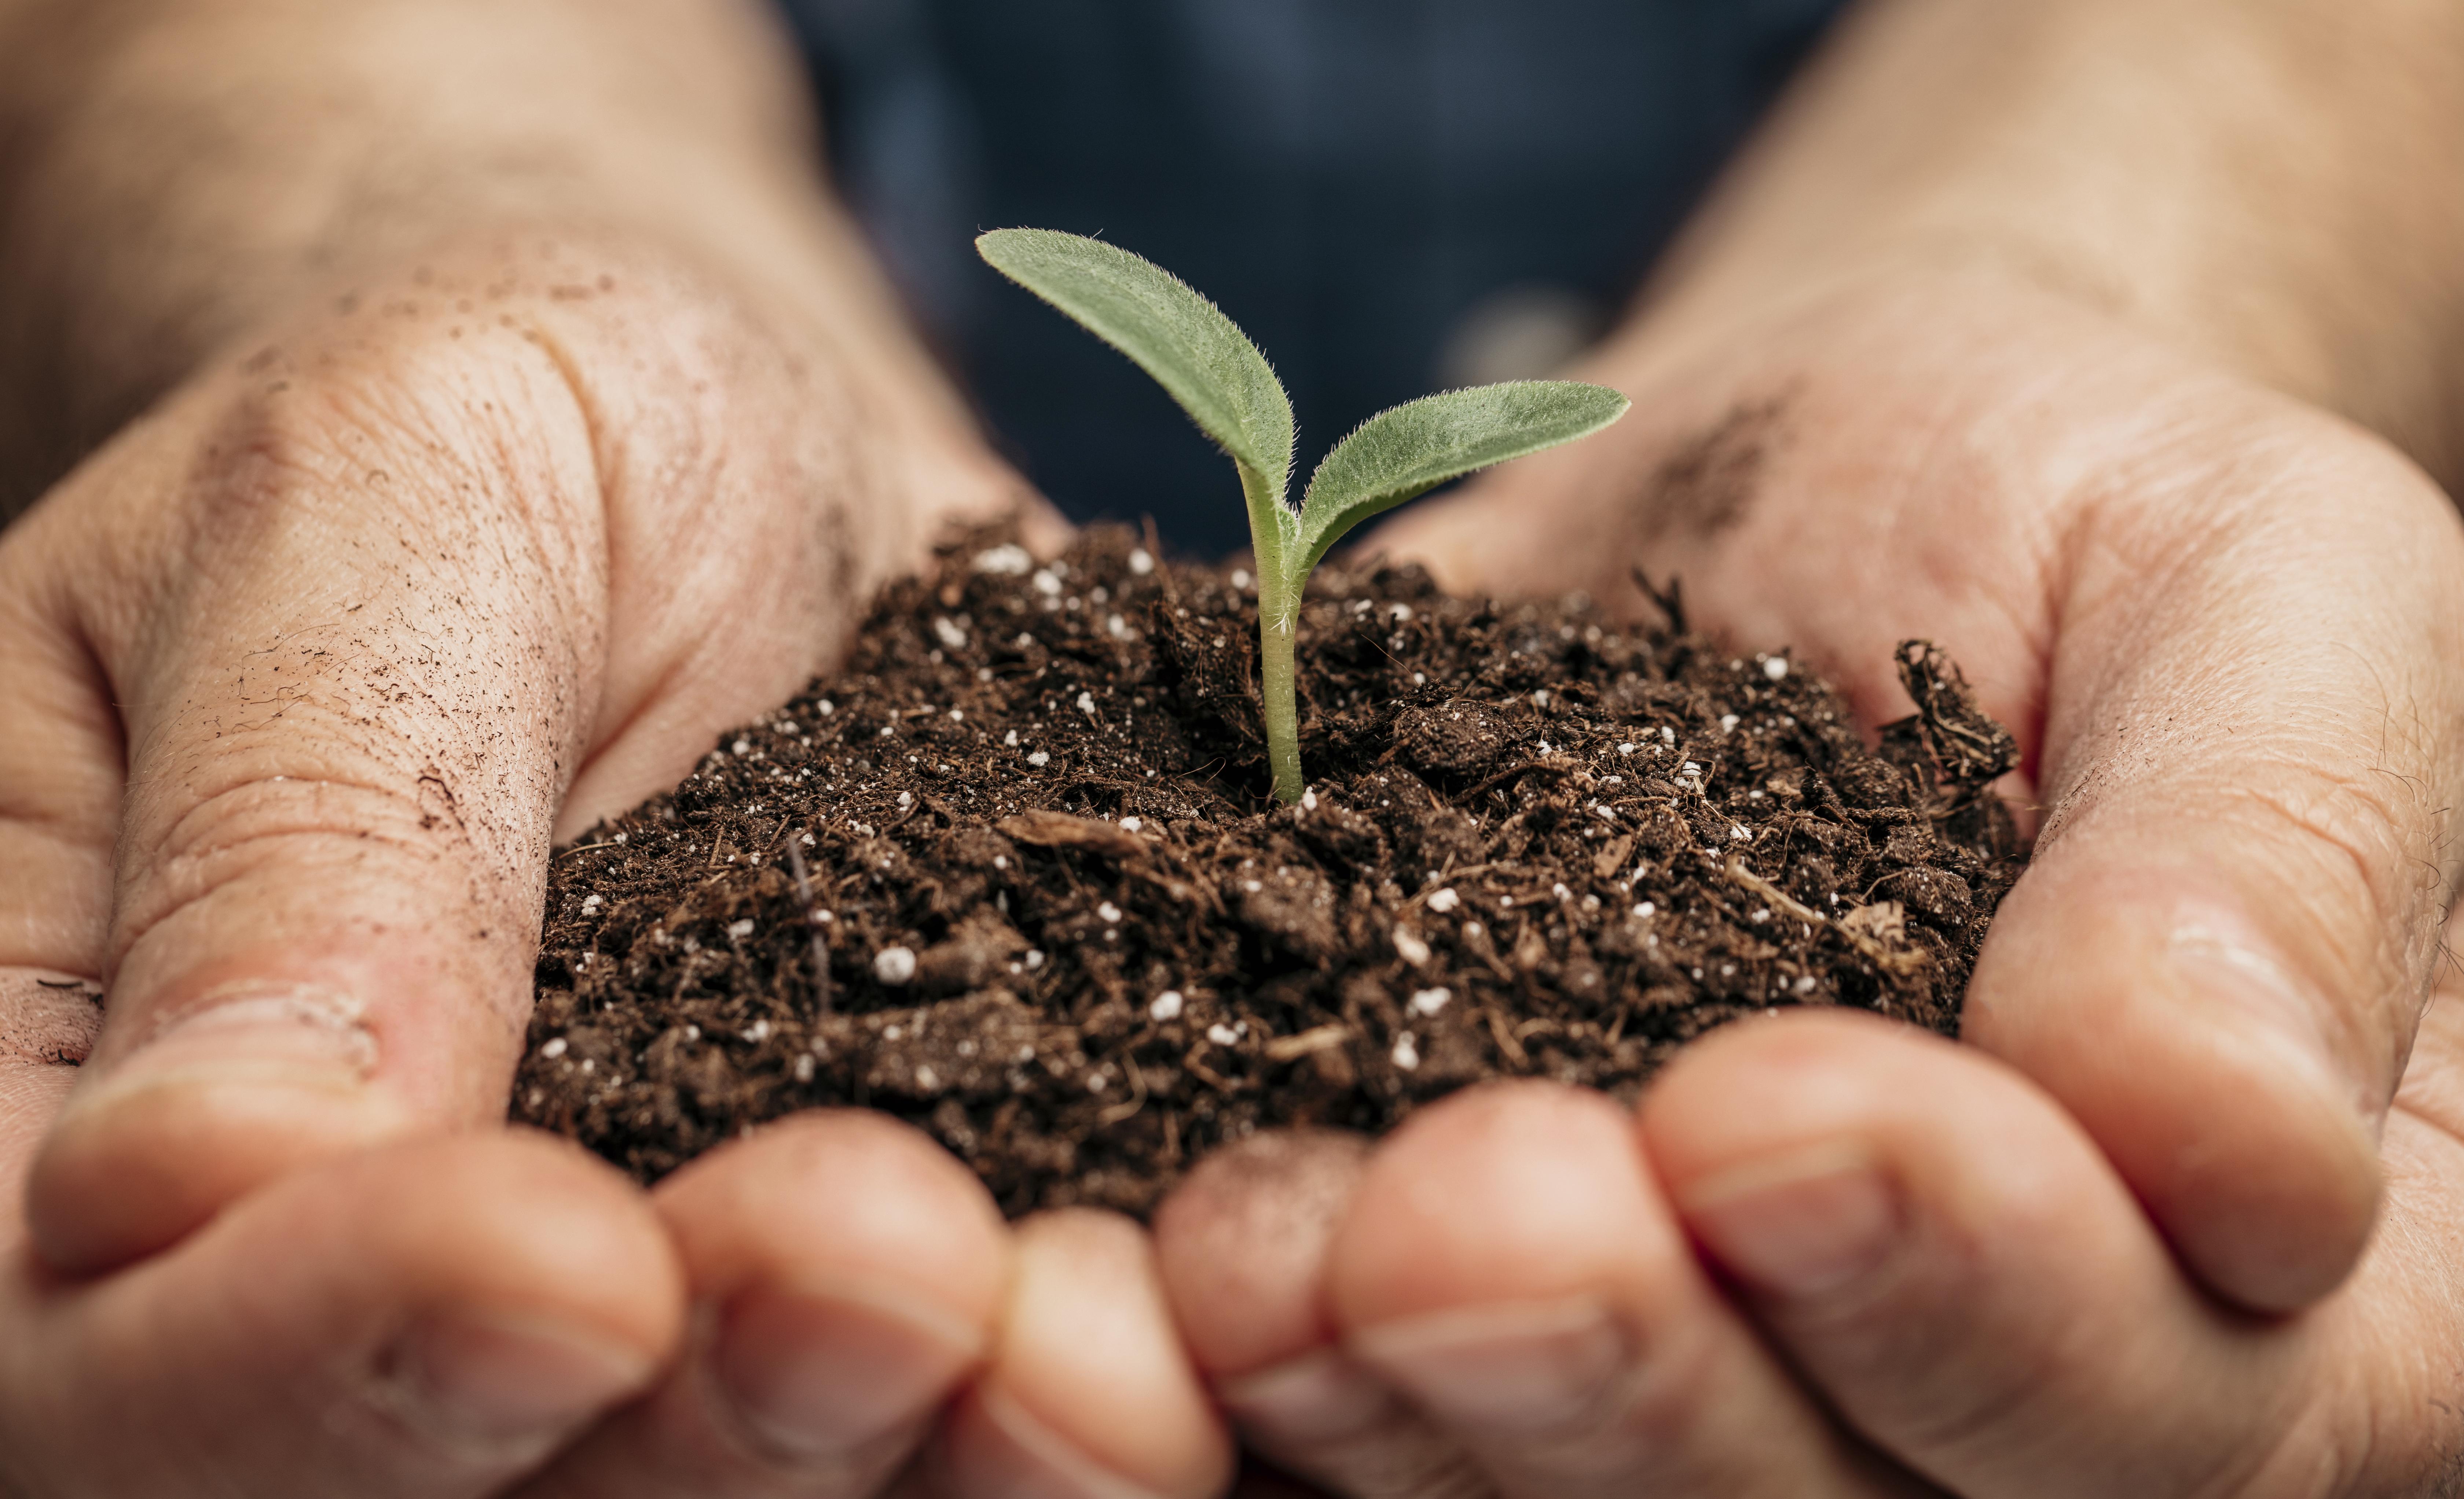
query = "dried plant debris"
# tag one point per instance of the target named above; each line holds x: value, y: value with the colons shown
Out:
x: 1015, y: 873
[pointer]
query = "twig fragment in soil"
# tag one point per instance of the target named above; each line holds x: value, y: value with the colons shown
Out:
x: 813, y: 922
x: 1047, y: 830
x: 1670, y: 602
x: 1895, y: 960
x: 1309, y: 1042
x: 1207, y: 1074
x: 1506, y: 1041
x: 1972, y: 750
x: 1529, y: 767
x: 1123, y: 1113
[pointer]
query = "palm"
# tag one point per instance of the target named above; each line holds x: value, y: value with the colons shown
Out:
x: 2224, y: 626
x: 302, y: 676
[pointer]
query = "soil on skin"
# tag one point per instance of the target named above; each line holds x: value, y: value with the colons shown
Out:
x: 1013, y: 874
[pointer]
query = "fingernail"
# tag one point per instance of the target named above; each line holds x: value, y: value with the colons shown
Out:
x: 1802, y: 1226
x: 158, y: 1137
x: 294, y: 1036
x: 2225, y: 965
x: 1524, y: 1369
x: 1043, y: 1464
x: 505, y: 1388
x: 823, y: 1376
x: 53, y: 1016
x: 1320, y: 1395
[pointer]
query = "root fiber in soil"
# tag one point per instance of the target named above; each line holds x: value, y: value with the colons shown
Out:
x: 1013, y: 875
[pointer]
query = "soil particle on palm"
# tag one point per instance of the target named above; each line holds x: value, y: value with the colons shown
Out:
x: 1012, y: 875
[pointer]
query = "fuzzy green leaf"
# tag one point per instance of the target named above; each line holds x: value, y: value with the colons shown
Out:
x: 1414, y: 448
x: 1173, y: 332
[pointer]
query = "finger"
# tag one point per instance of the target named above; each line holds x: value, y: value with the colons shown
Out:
x: 352, y: 686
x: 48, y: 1024
x: 1243, y: 1247
x: 60, y: 769
x: 59, y: 796
x: 427, y: 1321
x: 1957, y: 1268
x: 751, y: 483
x: 849, y: 1274
x: 1090, y: 1394
x: 1510, y: 1265
x: 2219, y: 956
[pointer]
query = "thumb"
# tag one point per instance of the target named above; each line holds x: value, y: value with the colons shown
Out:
x: 2219, y: 956
x: 350, y: 617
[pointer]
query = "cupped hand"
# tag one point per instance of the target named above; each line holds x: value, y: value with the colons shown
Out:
x: 2121, y: 1243
x: 1832, y: 1257
x: 304, y: 672
x: 869, y: 1326
x: 2224, y: 626
x: 428, y: 1318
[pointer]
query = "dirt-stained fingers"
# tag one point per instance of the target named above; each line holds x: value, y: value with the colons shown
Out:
x: 1244, y: 1245
x: 2218, y: 959
x: 350, y: 683
x: 1089, y: 1392
x: 1955, y: 1266
x: 425, y: 1321
x: 1506, y: 1307
x: 849, y: 1278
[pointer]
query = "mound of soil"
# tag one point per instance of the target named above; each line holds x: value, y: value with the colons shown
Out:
x: 1013, y: 874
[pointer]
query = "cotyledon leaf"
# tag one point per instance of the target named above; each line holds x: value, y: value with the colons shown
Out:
x: 1410, y: 449
x: 1193, y: 350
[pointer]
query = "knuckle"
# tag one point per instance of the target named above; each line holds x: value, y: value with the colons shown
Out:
x: 1679, y: 1388
x: 484, y: 380
x: 2357, y: 857
x: 399, y: 424
x: 1676, y: 1392
x: 319, y: 845
x: 2310, y: 1440
x: 1959, y: 1366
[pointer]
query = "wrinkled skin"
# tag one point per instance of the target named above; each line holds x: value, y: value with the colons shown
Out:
x: 2182, y: 1219
x: 2071, y: 1207
x: 303, y: 673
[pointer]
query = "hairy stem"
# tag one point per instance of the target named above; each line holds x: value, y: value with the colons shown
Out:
x: 1278, y: 613
x: 1275, y: 684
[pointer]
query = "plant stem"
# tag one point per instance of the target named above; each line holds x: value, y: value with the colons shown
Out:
x: 1270, y: 537
x: 1275, y: 686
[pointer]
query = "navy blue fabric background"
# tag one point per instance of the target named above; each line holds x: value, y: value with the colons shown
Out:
x: 1346, y: 178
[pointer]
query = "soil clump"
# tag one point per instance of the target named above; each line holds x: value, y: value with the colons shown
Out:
x: 1012, y: 875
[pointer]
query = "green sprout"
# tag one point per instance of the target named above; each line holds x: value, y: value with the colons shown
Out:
x: 1219, y: 377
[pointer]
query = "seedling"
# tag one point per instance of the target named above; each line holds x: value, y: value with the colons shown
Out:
x: 1219, y: 377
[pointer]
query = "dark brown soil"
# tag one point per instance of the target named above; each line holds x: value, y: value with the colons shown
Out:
x: 1013, y: 875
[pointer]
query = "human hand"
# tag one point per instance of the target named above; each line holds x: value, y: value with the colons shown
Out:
x: 2219, y: 621
x: 304, y: 672
x: 423, y: 1319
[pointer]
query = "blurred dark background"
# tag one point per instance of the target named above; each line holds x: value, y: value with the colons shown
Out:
x: 1391, y: 196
